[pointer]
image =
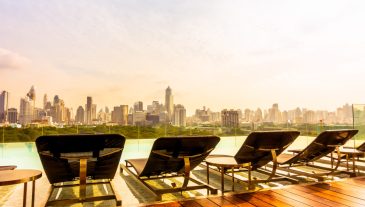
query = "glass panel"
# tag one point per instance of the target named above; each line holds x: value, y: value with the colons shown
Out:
x: 358, y: 111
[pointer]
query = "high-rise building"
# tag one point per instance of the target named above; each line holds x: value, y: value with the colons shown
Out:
x: 120, y: 115
x: 93, y: 112
x: 179, y: 118
x: 45, y: 100
x: 204, y: 115
x: 88, y: 110
x: 12, y: 115
x: 258, y: 115
x: 58, y: 110
x: 80, y: 115
x: 4, y: 101
x: 275, y: 114
x: 169, y: 103
x: 124, y: 114
x: 139, y: 118
x: 138, y: 106
x: 26, y: 111
x: 230, y: 118
x: 32, y: 96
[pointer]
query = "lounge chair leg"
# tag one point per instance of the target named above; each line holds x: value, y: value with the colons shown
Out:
x: 83, y: 170
x: 275, y: 164
x: 186, y: 172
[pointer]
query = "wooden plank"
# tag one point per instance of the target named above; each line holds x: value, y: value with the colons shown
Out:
x: 220, y: 201
x: 170, y: 204
x: 286, y: 199
x: 358, y: 189
x: 273, y: 200
x: 253, y: 200
x: 206, y: 202
x: 326, y: 196
x: 238, y: 202
x: 310, y: 199
x: 329, y: 190
x: 359, y: 182
x: 345, y: 189
x: 189, y: 203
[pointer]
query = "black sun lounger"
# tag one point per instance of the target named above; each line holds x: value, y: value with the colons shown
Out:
x: 173, y: 157
x: 71, y: 157
x: 325, y: 143
x: 259, y: 149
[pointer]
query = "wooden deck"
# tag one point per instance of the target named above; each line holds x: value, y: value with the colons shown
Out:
x: 348, y: 192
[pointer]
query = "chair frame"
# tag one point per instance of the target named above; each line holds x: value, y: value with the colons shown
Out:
x: 186, y: 175
x: 273, y: 176
x: 82, y: 186
x: 319, y: 176
x: 81, y: 181
x: 158, y: 192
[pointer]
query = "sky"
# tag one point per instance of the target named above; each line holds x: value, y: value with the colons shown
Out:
x: 219, y: 54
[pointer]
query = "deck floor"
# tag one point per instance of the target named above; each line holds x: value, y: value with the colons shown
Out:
x: 347, y: 192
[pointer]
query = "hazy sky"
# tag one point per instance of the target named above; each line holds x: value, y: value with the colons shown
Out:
x: 221, y: 54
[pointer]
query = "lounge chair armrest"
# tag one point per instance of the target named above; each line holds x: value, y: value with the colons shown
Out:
x: 161, y: 154
x: 182, y: 156
x: 46, y: 153
x: 111, y: 152
x: 267, y: 149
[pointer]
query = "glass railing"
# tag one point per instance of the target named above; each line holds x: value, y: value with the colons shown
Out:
x: 17, y: 144
x: 358, y: 111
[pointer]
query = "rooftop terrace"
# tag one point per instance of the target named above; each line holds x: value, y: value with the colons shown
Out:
x: 134, y: 193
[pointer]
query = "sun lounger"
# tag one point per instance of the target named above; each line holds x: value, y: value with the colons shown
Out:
x: 259, y: 149
x: 173, y: 157
x: 325, y: 143
x: 68, y: 158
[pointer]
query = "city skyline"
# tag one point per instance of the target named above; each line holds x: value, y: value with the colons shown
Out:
x: 239, y: 54
x: 90, y: 106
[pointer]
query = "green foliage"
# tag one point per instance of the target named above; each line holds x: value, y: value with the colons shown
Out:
x: 142, y: 132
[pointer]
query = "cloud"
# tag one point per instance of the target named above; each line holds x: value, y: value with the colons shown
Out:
x: 11, y: 60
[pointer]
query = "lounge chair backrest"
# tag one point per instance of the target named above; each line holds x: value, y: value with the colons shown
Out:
x: 60, y: 155
x: 323, y: 144
x: 167, y: 153
x: 361, y: 147
x: 258, y: 145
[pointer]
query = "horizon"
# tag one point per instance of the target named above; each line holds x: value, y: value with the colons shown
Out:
x: 235, y: 55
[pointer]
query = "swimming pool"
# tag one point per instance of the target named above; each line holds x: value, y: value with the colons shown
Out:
x: 24, y: 154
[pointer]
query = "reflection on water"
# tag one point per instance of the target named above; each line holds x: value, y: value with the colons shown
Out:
x: 25, y: 155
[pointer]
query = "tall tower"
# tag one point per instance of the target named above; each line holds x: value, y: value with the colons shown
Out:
x: 80, y: 115
x: 26, y: 111
x: 179, y: 118
x: 169, y: 103
x: 88, y: 110
x: 32, y: 95
x: 45, y: 100
x: 4, y: 99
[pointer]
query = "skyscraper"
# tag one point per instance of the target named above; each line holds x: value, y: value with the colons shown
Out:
x: 138, y: 106
x: 88, y: 110
x: 4, y: 100
x: 26, y: 111
x: 58, y: 110
x: 179, y: 118
x: 230, y: 118
x: 12, y: 115
x: 45, y: 100
x: 80, y: 117
x: 32, y: 96
x: 169, y: 103
x: 124, y: 120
